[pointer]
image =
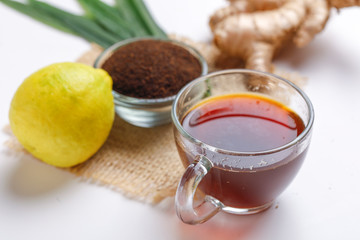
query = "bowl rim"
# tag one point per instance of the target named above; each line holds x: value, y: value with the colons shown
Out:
x: 125, y: 100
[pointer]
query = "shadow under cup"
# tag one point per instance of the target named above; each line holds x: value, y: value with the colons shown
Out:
x: 253, y: 185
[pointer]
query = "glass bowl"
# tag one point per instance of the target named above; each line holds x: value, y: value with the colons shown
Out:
x: 145, y: 112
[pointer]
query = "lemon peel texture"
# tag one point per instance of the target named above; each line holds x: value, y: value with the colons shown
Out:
x: 63, y: 113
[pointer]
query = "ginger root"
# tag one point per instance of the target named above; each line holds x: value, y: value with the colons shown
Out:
x: 255, y: 30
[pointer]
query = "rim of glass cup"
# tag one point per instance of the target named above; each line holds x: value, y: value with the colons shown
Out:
x: 127, y: 100
x: 236, y: 153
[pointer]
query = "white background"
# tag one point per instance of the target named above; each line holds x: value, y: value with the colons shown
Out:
x: 39, y: 202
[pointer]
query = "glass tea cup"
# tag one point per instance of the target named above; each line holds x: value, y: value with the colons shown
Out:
x: 238, y: 182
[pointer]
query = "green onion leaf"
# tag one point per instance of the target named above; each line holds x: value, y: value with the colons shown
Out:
x: 37, y: 15
x: 84, y: 26
x: 146, y: 18
x: 107, y: 17
x: 126, y: 9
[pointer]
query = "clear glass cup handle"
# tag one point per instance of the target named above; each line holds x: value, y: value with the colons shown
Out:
x: 184, y: 199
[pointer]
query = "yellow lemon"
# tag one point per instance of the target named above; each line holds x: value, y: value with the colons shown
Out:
x: 63, y: 113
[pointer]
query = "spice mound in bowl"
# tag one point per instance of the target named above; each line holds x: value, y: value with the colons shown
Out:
x: 147, y: 74
x: 151, y: 69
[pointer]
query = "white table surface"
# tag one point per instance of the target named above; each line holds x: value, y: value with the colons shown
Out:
x: 39, y: 202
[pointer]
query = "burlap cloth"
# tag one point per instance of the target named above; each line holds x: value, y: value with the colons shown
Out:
x: 143, y: 163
